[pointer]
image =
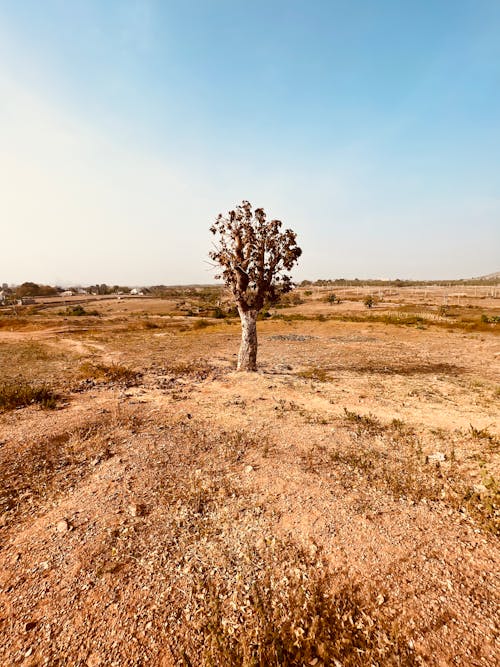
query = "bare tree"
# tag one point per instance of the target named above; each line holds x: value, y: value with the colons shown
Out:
x: 254, y: 256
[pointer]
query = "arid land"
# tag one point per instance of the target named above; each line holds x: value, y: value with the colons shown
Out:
x: 338, y: 507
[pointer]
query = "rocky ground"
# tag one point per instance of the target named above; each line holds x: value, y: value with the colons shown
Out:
x: 339, y: 507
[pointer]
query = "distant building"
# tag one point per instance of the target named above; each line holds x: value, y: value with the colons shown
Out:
x: 136, y: 291
x: 67, y: 293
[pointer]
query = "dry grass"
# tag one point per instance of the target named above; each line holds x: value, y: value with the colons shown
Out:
x: 110, y: 373
x: 47, y: 467
x: 35, y: 362
x: 375, y: 367
x: 20, y: 394
x: 14, y: 323
x: 389, y: 457
x: 276, y: 604
x: 315, y: 373
x: 234, y: 594
x: 195, y: 369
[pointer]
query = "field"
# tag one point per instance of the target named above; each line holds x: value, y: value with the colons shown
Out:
x: 338, y: 507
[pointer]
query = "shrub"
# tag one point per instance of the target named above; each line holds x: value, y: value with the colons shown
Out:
x: 490, y: 319
x: 201, y: 324
x: 369, y: 301
x: 79, y: 311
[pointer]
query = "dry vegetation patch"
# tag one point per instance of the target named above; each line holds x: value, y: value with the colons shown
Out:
x: 110, y: 373
x: 19, y: 394
x: 47, y: 467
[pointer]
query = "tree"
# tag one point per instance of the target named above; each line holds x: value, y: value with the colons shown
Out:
x: 254, y: 256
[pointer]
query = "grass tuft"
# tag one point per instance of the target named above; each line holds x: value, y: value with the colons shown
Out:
x: 20, y: 394
x: 114, y: 373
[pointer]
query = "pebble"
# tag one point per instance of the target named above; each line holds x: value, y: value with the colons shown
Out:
x: 134, y: 509
x: 62, y: 526
x: 248, y: 469
x: 437, y: 456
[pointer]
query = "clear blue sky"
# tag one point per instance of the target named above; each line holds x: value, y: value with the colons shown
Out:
x: 371, y: 127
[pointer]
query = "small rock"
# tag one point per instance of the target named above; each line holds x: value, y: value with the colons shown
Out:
x: 248, y: 469
x: 30, y: 625
x: 436, y: 457
x: 135, y: 509
x: 380, y: 599
x: 62, y: 526
x: 261, y: 543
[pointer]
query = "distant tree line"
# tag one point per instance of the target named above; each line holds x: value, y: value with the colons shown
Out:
x: 356, y: 282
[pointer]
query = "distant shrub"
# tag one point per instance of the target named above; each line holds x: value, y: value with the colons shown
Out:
x: 219, y: 314
x: 79, y: 311
x: 490, y: 319
x: 369, y: 301
x: 201, y: 324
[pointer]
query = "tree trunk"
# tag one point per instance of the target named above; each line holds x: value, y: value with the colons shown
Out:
x: 247, y: 357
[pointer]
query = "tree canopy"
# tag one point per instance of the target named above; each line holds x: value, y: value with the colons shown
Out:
x: 254, y: 255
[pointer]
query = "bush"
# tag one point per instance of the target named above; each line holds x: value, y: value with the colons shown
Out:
x: 201, y: 324
x: 369, y: 301
x: 78, y: 311
x: 219, y: 314
x: 490, y: 319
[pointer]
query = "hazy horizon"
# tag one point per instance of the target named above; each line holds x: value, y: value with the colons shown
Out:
x: 371, y: 129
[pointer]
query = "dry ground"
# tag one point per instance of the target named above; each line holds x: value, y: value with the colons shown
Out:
x: 339, y: 507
